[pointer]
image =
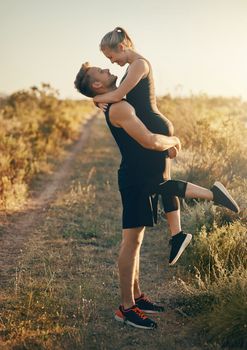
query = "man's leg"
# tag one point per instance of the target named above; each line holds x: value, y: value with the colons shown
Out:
x: 128, y: 261
x: 141, y: 300
x: 137, y: 289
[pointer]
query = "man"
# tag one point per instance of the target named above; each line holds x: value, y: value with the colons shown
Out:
x: 140, y: 179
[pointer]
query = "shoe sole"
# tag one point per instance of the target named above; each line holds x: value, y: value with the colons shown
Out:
x: 182, y: 248
x: 227, y: 194
x: 120, y: 319
x: 151, y: 311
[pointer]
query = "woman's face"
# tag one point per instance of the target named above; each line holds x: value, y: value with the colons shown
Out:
x: 119, y: 56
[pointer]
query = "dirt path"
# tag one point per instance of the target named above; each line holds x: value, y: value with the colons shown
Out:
x: 59, y: 274
x: 20, y: 227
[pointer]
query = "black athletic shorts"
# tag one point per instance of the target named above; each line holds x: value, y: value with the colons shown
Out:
x: 139, y: 208
x: 140, y: 203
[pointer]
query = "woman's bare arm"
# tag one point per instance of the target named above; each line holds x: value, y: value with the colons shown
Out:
x: 137, y: 70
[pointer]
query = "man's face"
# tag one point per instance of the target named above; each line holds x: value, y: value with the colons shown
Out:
x: 102, y: 76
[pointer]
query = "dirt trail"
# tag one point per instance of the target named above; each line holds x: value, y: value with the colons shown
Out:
x: 65, y: 245
x: 20, y: 226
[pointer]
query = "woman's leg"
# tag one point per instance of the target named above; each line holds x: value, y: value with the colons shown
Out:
x: 194, y: 191
x: 171, y: 205
x: 218, y: 193
x: 174, y: 222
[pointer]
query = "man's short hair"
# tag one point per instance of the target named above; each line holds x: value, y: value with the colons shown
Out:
x: 83, y: 82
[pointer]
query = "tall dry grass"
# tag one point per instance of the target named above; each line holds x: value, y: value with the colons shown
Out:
x: 213, y: 133
x: 35, y: 127
x: 56, y: 301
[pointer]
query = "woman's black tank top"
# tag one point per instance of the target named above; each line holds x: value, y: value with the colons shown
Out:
x: 140, y: 165
x: 142, y: 97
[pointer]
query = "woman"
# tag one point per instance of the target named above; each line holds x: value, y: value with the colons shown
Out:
x: 138, y: 87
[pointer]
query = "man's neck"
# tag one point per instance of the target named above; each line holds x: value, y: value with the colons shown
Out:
x: 109, y: 89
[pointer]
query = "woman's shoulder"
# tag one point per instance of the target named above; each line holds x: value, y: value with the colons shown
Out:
x: 142, y: 64
x: 140, y: 60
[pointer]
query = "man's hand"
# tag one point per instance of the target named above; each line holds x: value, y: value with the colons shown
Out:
x: 101, y: 105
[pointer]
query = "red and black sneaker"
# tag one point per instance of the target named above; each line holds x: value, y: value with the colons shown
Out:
x: 146, y: 305
x: 134, y: 317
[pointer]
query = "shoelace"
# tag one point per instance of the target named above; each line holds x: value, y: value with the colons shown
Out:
x: 146, y: 299
x: 139, y: 313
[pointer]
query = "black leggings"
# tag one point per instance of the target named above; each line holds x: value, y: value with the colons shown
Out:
x: 170, y: 190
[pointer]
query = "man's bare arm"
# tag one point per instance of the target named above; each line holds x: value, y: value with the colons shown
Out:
x: 122, y: 115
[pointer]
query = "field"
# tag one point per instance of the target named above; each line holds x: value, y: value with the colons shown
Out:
x: 61, y: 227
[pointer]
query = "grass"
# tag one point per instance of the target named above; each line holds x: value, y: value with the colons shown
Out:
x: 35, y: 125
x: 64, y: 289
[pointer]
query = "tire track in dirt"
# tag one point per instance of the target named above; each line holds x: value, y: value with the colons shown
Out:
x: 19, y: 228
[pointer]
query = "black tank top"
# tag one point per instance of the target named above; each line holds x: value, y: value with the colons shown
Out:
x: 142, y: 97
x: 138, y: 165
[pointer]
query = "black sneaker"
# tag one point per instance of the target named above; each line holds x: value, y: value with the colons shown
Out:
x: 147, y: 305
x: 223, y: 197
x: 134, y: 317
x: 178, y: 242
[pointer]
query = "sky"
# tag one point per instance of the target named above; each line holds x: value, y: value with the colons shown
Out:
x: 194, y: 46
